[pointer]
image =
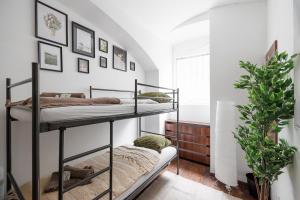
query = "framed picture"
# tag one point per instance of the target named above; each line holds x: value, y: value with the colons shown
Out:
x: 103, y: 45
x: 119, y: 59
x: 132, y: 66
x: 83, y: 40
x: 103, y: 62
x: 51, y: 24
x: 50, y: 57
x: 83, y: 65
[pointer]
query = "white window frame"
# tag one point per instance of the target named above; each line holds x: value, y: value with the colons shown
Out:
x: 175, y: 70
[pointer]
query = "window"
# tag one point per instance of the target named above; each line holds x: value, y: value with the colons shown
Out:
x: 192, y: 78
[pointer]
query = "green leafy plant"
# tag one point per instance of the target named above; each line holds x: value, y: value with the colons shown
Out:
x: 271, y: 106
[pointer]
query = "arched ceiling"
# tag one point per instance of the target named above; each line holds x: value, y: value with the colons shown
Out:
x: 147, y: 28
x: 161, y: 16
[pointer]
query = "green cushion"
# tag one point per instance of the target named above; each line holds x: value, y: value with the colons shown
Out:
x: 155, y: 142
x: 151, y: 95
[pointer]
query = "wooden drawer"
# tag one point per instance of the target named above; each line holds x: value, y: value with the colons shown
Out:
x: 194, y: 140
x: 202, y: 140
x: 170, y: 127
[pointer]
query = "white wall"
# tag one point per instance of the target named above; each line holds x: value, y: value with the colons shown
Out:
x: 237, y: 32
x: 158, y: 50
x: 197, y: 46
x: 18, y: 50
x: 283, y: 25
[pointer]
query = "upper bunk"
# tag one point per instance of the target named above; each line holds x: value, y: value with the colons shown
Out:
x: 56, y: 118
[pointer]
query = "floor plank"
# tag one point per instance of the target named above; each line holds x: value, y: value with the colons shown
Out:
x: 200, y: 173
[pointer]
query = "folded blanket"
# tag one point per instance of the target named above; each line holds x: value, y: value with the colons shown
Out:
x: 51, y: 102
x: 61, y: 95
x: 71, y: 176
x: 78, y: 172
x: 11, y: 195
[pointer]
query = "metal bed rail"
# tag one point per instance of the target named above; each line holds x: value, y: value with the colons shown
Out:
x: 175, y: 106
x: 38, y: 127
x: 10, y: 180
x: 62, y: 161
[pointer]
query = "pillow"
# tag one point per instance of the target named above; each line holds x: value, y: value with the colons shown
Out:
x: 155, y: 142
x: 151, y: 95
x: 63, y: 95
x: 140, y: 101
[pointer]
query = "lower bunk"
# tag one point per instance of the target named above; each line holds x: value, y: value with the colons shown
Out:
x: 134, y: 168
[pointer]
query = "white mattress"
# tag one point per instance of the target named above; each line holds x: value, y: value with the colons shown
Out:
x: 165, y: 156
x: 79, y: 112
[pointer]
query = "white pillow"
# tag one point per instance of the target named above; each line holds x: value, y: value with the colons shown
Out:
x: 140, y: 101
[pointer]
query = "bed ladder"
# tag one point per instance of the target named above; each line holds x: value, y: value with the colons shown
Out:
x: 62, y: 161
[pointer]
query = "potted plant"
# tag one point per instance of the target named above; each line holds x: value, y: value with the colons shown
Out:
x: 271, y: 105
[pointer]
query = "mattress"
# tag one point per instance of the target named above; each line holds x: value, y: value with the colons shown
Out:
x: 165, y: 156
x: 79, y: 112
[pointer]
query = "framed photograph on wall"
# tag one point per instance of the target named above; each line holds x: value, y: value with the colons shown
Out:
x: 83, y: 66
x: 103, y: 62
x: 51, y: 24
x: 132, y: 66
x: 103, y: 45
x: 50, y: 57
x: 119, y: 59
x: 83, y: 40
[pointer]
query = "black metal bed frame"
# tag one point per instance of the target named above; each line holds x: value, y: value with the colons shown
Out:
x: 41, y: 127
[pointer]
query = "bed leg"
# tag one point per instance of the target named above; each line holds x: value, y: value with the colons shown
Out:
x: 61, y: 163
x: 8, y: 135
x: 177, y: 131
x: 35, y: 132
x: 111, y: 135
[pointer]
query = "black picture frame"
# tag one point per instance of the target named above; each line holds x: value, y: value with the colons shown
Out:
x: 104, y: 59
x: 117, y: 50
x: 79, y: 67
x: 76, y: 26
x: 132, y: 66
x: 100, y: 48
x: 37, y: 35
x: 40, y: 43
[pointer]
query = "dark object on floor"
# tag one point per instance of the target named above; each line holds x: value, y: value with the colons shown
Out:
x: 251, y: 184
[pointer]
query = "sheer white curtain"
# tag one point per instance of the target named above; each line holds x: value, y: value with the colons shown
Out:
x: 192, y: 78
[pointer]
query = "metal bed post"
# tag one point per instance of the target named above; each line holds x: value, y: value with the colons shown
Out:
x: 8, y: 133
x: 177, y: 131
x: 61, y: 163
x: 111, y: 131
x: 140, y: 126
x: 35, y: 132
x: 91, y: 92
x: 135, y: 95
x: 173, y: 92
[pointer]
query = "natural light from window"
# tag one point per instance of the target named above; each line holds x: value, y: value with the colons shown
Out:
x: 192, y: 78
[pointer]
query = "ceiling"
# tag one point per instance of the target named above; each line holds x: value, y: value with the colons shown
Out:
x: 162, y: 16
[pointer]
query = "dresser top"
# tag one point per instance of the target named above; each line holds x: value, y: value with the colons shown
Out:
x: 189, y: 122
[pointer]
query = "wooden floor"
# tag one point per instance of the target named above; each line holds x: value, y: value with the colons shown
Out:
x: 200, y: 173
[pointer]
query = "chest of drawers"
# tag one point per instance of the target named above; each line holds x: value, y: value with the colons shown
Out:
x: 194, y: 140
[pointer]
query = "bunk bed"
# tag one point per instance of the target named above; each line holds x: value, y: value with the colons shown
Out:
x: 42, y: 124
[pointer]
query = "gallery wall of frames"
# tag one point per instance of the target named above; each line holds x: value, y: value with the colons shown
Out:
x: 51, y: 28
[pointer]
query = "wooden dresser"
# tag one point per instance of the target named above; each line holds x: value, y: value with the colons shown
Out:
x: 194, y: 140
